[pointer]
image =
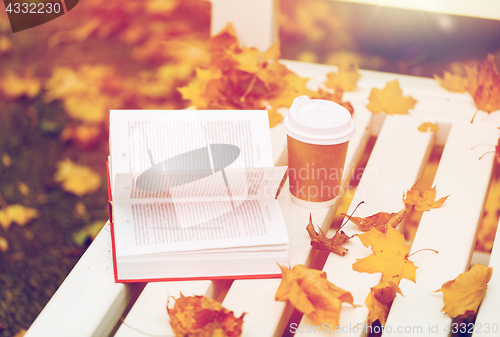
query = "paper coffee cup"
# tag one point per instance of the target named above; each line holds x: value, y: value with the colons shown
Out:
x: 318, y: 133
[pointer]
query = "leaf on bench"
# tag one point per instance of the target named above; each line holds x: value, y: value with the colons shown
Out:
x: 425, y: 202
x: 200, y: 316
x: 463, y: 295
x: 309, y: 291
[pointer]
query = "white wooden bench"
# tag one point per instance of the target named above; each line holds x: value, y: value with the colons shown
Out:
x: 89, y: 303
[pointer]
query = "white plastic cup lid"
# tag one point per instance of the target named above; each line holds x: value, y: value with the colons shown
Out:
x: 318, y: 121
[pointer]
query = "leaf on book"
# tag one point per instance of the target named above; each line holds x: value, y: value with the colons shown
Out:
x: 390, y: 100
x: 77, y: 179
x: 200, y: 316
x: 463, y: 295
x: 389, y: 256
x: 425, y: 202
x: 309, y: 291
x: 381, y: 220
x: 321, y: 242
x: 16, y: 214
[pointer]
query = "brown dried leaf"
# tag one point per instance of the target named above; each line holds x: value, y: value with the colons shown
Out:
x: 321, y: 242
x: 200, y: 316
x: 381, y: 220
x: 484, y: 85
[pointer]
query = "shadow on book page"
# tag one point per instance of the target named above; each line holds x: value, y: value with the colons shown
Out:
x: 175, y: 167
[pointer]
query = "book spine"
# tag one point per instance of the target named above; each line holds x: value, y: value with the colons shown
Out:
x: 112, y: 230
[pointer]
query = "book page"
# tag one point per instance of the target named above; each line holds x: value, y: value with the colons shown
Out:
x: 140, y: 140
x: 149, y: 228
x: 242, y: 184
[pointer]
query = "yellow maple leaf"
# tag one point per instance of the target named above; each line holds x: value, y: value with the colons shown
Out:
x: 389, y: 256
x: 425, y: 202
x: 77, y: 179
x: 16, y: 214
x: 14, y: 86
x: 453, y: 82
x: 390, y: 100
x: 309, y: 291
x: 200, y: 316
x: 346, y: 77
x: 463, y: 295
x: 428, y: 126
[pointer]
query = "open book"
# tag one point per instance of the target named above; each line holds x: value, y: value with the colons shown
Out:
x: 193, y: 196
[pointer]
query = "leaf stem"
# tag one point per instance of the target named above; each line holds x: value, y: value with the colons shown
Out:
x: 433, y: 250
x: 475, y: 113
x: 350, y: 216
x: 250, y: 87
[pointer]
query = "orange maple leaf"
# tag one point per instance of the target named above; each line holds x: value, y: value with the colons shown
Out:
x: 484, y: 85
x: 244, y: 78
x: 463, y: 295
x: 321, y: 242
x: 200, y: 316
x: 390, y: 100
x: 428, y: 126
x: 425, y: 202
x: 389, y: 256
x: 381, y: 220
x: 309, y: 291
x: 453, y: 82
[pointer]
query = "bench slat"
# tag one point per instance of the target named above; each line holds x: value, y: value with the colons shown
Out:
x: 395, y: 163
x: 488, y: 315
x: 89, y: 302
x: 450, y: 229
